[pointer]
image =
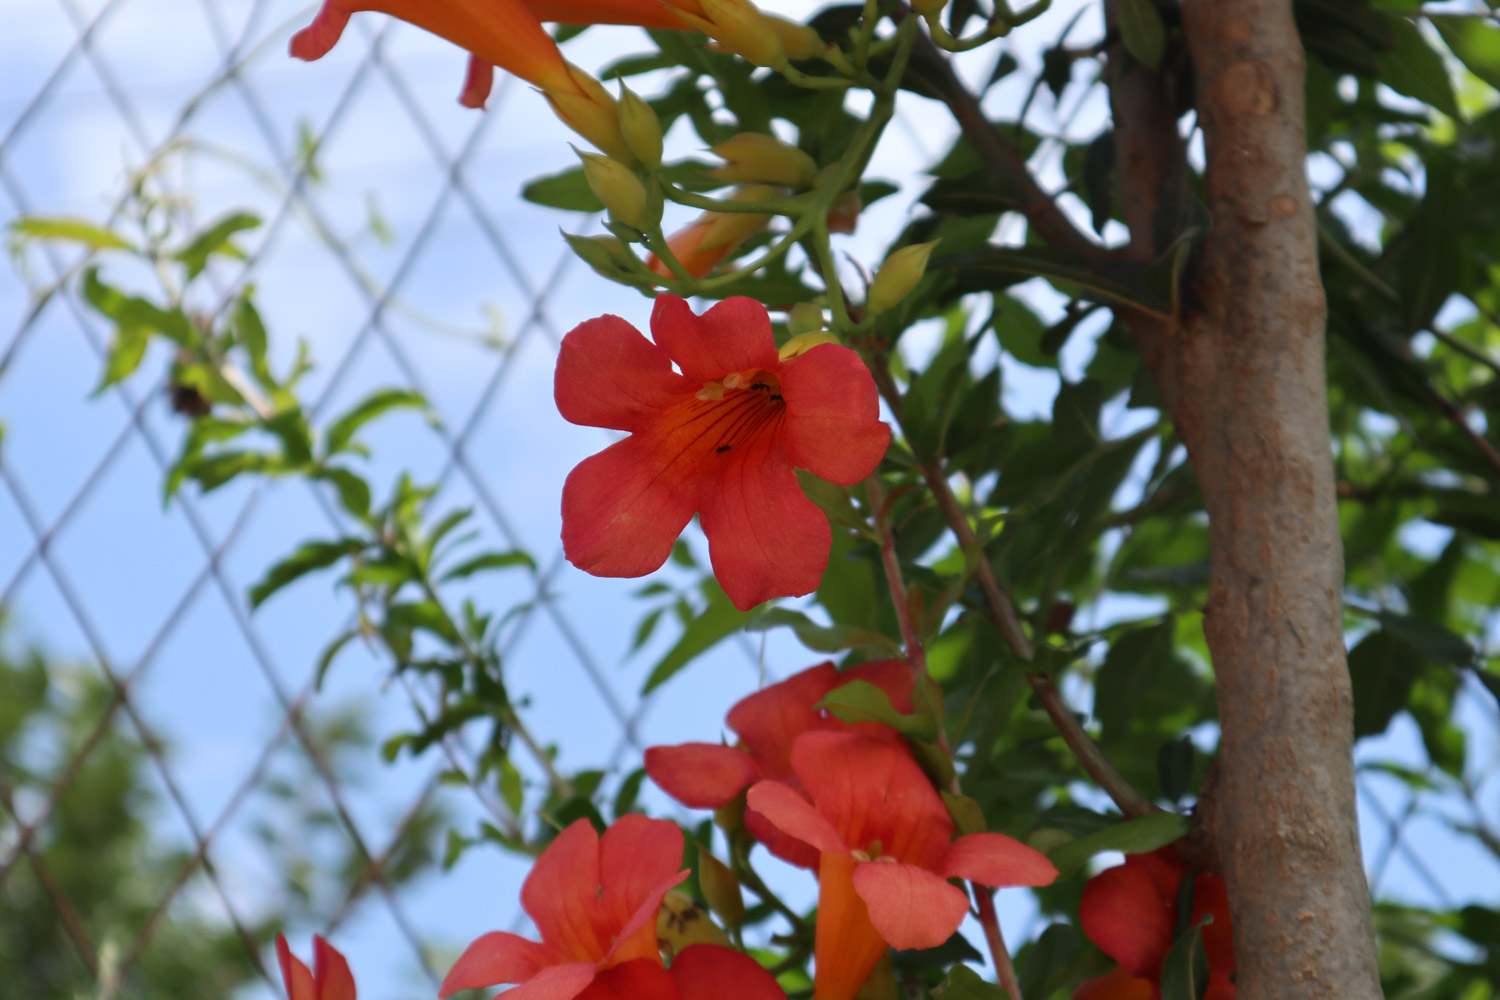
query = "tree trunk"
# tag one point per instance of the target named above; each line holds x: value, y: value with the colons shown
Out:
x: 1243, y: 378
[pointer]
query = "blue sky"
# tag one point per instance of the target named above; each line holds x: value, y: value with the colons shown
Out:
x: 483, y: 258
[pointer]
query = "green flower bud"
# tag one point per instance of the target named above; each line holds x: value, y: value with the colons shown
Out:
x: 760, y: 158
x: 898, y: 276
x: 619, y: 188
x: 641, y: 128
x: 720, y: 889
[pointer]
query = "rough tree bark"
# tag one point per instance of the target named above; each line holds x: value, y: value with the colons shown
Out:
x: 1242, y: 374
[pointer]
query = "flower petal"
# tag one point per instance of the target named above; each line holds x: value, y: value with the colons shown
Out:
x: 873, y: 790
x: 1211, y: 897
x: 635, y: 855
x: 1122, y: 914
x: 782, y: 845
x: 561, y: 895
x: 623, y: 509
x: 846, y: 946
x: 996, y: 860
x: 712, y: 972
x: 495, y: 958
x: 331, y: 972
x: 910, y: 906
x: 794, y: 816
x: 633, y: 980
x: 646, y: 15
x: 833, y: 415
x: 636, y: 937
x: 296, y: 976
x: 769, y: 720
x: 479, y: 80
x: 1118, y: 985
x: 765, y: 538
x: 609, y: 375
x: 733, y: 336
x: 701, y: 775
x: 556, y: 982
x: 318, y: 39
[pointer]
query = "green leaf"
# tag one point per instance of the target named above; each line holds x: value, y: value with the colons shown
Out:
x: 214, y: 471
x: 1413, y: 68
x: 74, y: 230
x: 1382, y: 667
x: 967, y: 814
x: 718, y: 620
x: 512, y: 791
x: 1184, y: 972
x: 979, y: 192
x: 1174, y: 767
x: 821, y: 638
x: 1049, y: 961
x: 1434, y: 259
x: 215, y: 240
x: 426, y: 615
x: 1474, y: 41
x: 990, y: 268
x: 570, y: 192
x: 133, y: 311
x: 250, y: 332
x: 1129, y: 668
x: 341, y: 432
x: 1142, y: 31
x: 330, y: 653
x: 1134, y: 836
x: 126, y: 349
x: 963, y: 983
x: 861, y: 701
x: 310, y: 557
x: 291, y: 429
x: 1437, y: 643
x: 353, y: 491
x: 489, y: 561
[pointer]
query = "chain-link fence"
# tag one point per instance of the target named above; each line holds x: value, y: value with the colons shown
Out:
x: 395, y: 243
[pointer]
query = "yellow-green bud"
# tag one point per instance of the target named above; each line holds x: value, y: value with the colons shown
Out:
x: 742, y: 29
x: 760, y: 158
x: 898, y: 276
x: 619, y: 188
x: 605, y: 254
x: 592, y: 113
x: 798, y: 40
x: 804, y: 342
x: 721, y: 889
x: 641, y: 128
x: 804, y: 317
x: 681, y: 922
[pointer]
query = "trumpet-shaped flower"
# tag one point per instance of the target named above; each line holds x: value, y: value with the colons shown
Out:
x: 1130, y: 912
x: 887, y: 852
x: 594, y: 901
x: 701, y: 972
x: 721, y: 437
x: 329, y: 978
x: 710, y: 775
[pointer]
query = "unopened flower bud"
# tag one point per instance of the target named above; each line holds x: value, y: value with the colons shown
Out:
x: 804, y: 342
x: 619, y: 188
x: 798, y: 40
x: 898, y: 276
x: 726, y: 228
x: 588, y: 109
x: 742, y: 29
x: 720, y: 889
x: 760, y: 158
x: 804, y: 317
x: 605, y: 254
x: 641, y: 128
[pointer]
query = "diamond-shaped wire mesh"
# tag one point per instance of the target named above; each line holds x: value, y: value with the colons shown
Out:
x: 396, y: 245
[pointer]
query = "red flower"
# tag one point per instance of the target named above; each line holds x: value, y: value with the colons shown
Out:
x: 709, y: 775
x: 721, y: 439
x: 594, y: 901
x: 700, y: 972
x: 1130, y: 912
x: 329, y: 980
x: 887, y: 851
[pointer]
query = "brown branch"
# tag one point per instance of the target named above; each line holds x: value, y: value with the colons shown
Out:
x: 880, y: 510
x: 1243, y: 376
x: 1004, y: 157
x: 1005, y: 969
x: 1003, y: 613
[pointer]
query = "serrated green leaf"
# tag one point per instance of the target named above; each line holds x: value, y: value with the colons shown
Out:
x: 73, y: 230
x: 341, y: 432
x: 309, y: 558
x: 1134, y: 836
x: 134, y: 311
x: 861, y: 701
x: 425, y: 615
